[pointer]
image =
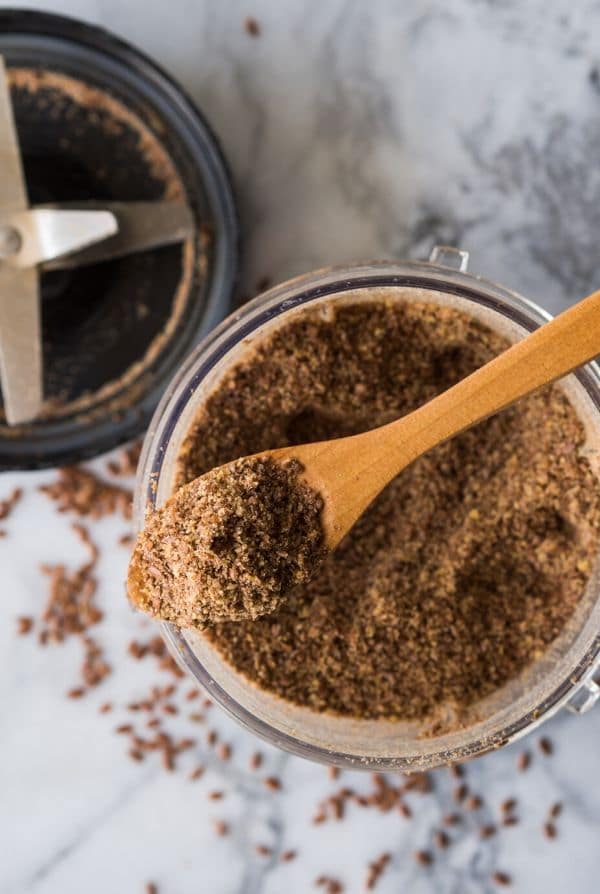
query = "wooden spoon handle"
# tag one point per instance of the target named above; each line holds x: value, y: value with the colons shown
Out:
x: 552, y: 351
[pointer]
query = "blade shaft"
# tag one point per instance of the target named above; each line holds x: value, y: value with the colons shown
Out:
x: 20, y: 344
x: 13, y: 194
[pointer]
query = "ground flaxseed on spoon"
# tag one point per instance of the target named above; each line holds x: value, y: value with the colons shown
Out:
x: 229, y: 545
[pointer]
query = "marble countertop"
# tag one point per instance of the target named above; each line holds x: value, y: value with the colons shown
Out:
x: 354, y: 131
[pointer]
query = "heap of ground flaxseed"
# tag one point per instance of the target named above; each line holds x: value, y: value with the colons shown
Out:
x: 464, y: 569
x: 229, y: 545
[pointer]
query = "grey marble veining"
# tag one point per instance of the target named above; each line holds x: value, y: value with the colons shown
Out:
x: 354, y: 130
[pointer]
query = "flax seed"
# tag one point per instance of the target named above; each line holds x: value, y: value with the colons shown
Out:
x: 487, y: 831
x: 441, y: 839
x: 273, y: 783
x: 24, y: 625
x: 224, y: 751
x: 460, y: 793
x: 251, y: 26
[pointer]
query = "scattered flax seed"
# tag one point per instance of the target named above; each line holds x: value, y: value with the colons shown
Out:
x: 319, y: 818
x: 329, y: 884
x: 106, y: 708
x: 419, y: 782
x: 508, y: 805
x: 197, y: 718
x: 24, y: 625
x: 404, y: 809
x: 136, y: 755
x: 333, y: 772
x: 441, y: 839
x: 460, y: 792
x: 487, y: 831
x: 170, y: 709
x: 151, y: 888
x: 287, y: 856
x: 221, y: 828
x: 184, y: 745
x: 127, y: 461
x: 474, y: 802
x: 546, y: 746
x: 550, y: 830
x: 126, y: 540
x: 7, y: 505
x: 167, y: 759
x: 556, y: 810
x: 337, y: 807
x: 197, y: 772
x: 76, y: 692
x: 216, y: 795
x: 502, y: 878
x: 251, y: 26
x: 425, y: 858
x: 273, y: 783
x: 375, y: 870
x: 153, y: 723
x: 457, y: 770
x: 263, y: 850
x: 192, y: 694
x: 212, y: 737
x: 452, y: 819
x: 510, y: 821
x: 224, y: 751
x: 124, y: 728
x: 81, y: 491
x: 523, y: 761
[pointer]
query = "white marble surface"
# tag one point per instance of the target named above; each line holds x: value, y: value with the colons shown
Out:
x: 354, y: 130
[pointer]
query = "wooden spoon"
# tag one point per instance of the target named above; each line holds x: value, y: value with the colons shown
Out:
x: 350, y: 472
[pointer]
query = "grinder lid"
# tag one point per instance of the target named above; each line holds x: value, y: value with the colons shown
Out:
x: 101, y: 128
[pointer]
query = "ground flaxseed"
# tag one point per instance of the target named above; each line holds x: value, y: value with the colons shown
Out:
x: 229, y: 545
x: 463, y: 570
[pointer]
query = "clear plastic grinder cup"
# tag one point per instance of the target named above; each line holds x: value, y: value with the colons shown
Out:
x: 562, y: 677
